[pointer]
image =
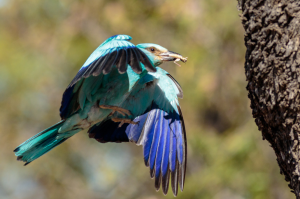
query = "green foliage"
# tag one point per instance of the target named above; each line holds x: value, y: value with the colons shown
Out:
x: 43, y: 44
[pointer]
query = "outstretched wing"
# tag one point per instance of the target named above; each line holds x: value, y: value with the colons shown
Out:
x: 115, y: 51
x: 160, y: 130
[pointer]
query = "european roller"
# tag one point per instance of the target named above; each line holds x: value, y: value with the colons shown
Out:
x: 120, y: 94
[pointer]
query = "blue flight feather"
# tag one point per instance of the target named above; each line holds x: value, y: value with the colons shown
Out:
x: 149, y: 134
x: 165, y: 159
x: 153, y: 149
x: 179, y: 139
x: 159, y: 151
x: 173, y: 147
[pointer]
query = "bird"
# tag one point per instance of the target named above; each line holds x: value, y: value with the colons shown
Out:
x: 121, y: 95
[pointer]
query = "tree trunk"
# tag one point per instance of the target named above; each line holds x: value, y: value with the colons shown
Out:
x: 272, y: 66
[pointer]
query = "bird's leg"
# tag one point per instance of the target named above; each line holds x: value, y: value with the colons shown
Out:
x: 123, y: 120
x: 122, y: 111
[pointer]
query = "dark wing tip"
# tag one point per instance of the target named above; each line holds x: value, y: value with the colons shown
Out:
x: 134, y: 60
x: 111, y: 61
x: 17, y: 149
x: 146, y: 162
x: 122, y: 61
x: 19, y: 158
x: 145, y: 60
x: 152, y: 171
x: 181, y: 177
x: 165, y: 182
x: 174, y: 179
x: 157, y: 182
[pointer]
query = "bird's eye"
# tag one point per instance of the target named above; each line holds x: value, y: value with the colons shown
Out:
x: 152, y: 49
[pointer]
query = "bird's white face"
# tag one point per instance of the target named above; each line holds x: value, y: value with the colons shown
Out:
x: 158, y: 54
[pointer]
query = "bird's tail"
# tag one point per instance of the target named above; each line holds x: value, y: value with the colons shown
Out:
x: 41, y: 143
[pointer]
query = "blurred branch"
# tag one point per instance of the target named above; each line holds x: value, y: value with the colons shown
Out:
x: 273, y: 74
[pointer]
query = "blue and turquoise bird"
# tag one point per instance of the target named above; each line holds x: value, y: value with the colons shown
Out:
x: 120, y: 94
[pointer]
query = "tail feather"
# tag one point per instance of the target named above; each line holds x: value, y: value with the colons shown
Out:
x: 41, y: 143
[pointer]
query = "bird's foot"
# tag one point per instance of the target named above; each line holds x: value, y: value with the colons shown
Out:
x: 122, y: 111
x: 123, y: 120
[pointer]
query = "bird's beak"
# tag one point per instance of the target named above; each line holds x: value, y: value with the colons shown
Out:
x: 172, y: 56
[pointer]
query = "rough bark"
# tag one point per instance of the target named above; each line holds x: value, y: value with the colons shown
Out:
x: 272, y: 66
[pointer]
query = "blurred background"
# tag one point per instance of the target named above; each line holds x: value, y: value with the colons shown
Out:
x: 43, y: 43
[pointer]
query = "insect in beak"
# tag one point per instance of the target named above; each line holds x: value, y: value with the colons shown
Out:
x: 172, y: 56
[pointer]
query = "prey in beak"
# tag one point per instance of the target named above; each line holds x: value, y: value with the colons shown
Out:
x: 172, y: 56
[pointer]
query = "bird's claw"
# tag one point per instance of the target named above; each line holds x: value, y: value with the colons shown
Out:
x: 120, y: 110
x: 123, y: 121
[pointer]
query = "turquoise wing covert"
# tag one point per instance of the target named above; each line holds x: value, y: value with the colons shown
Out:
x: 116, y: 51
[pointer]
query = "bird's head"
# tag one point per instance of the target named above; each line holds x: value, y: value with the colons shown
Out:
x: 158, y: 54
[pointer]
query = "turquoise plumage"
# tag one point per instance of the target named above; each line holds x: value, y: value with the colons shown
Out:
x: 120, y: 95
